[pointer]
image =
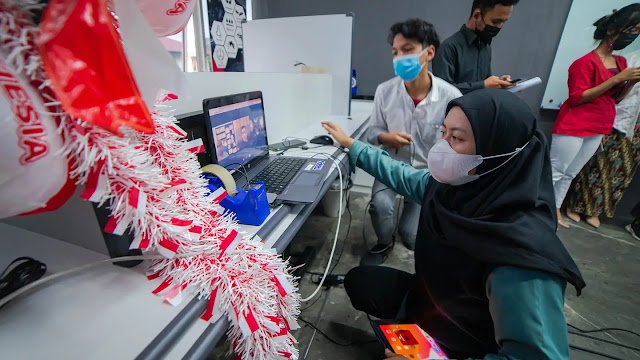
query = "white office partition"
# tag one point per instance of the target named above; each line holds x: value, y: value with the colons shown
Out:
x: 291, y: 101
x: 74, y: 222
x: 324, y: 41
x: 577, y: 40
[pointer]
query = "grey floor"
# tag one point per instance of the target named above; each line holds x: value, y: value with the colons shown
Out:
x: 609, y: 259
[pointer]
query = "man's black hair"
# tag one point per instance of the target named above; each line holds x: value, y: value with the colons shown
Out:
x: 620, y: 20
x: 415, y: 29
x: 486, y: 5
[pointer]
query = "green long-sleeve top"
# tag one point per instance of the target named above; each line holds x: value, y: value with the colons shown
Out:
x: 526, y: 306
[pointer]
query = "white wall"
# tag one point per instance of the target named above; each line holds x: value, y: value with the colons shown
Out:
x: 577, y: 40
x: 291, y: 101
x: 276, y: 45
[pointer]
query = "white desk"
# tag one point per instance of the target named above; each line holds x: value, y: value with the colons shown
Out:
x: 109, y: 312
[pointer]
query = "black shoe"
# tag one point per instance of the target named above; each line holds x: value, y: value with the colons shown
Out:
x: 376, y: 255
x: 634, y: 230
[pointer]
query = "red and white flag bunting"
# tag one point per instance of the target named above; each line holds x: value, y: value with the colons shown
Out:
x: 153, y: 275
x: 282, y: 283
x: 163, y: 286
x: 214, y: 309
x: 195, y: 232
x: 174, y: 295
x: 115, y: 226
x: 177, y: 225
x: 230, y: 242
x: 283, y: 355
x: 137, y: 199
x: 195, y: 146
x: 97, y: 183
x: 177, y: 130
x: 291, y: 322
x: 247, y: 322
x: 141, y: 241
x: 168, y: 248
x: 219, y: 194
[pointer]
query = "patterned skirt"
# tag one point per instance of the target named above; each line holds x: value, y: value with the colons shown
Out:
x: 603, y: 180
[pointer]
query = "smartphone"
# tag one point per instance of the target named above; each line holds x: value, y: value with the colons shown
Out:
x: 288, y: 144
x: 408, y: 340
x: 515, y: 81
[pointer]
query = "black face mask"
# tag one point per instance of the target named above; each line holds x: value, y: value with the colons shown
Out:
x: 488, y: 33
x: 623, y: 40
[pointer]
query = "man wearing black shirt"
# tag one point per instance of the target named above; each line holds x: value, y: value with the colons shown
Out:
x: 464, y: 59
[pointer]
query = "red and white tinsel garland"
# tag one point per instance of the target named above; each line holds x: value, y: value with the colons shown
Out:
x: 153, y: 184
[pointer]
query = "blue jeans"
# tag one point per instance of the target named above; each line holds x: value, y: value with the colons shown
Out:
x: 383, y: 215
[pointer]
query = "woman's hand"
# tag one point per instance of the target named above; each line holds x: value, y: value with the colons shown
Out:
x: 631, y: 74
x: 341, y: 137
x: 389, y: 355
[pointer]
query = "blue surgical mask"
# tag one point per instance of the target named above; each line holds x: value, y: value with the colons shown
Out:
x: 408, y: 67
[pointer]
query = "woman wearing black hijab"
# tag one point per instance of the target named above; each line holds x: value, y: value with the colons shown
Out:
x: 490, y: 271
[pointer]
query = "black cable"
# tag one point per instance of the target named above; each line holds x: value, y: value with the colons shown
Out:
x: 19, y: 273
x: 603, y: 330
x: 353, y: 343
x: 604, y: 340
x: 244, y: 171
x: 575, y: 347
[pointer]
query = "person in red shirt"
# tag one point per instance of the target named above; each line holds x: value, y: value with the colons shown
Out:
x: 597, y: 81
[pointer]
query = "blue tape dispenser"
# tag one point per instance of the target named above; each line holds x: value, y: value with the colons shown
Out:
x: 250, y: 206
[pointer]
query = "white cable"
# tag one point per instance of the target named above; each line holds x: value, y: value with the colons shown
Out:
x: 335, y: 239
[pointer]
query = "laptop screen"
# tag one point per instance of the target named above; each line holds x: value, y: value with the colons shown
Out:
x: 238, y: 131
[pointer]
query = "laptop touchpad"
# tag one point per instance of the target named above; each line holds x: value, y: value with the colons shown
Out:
x: 307, y: 178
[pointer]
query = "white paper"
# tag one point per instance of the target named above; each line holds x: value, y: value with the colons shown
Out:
x: 523, y: 85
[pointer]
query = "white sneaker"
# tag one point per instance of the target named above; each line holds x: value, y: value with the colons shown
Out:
x: 633, y: 233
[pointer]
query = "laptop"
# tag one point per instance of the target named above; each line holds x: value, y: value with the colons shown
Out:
x: 237, y: 132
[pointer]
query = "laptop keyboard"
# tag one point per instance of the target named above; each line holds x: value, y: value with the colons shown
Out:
x: 278, y: 173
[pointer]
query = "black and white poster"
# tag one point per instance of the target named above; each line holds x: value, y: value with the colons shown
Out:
x: 225, y: 23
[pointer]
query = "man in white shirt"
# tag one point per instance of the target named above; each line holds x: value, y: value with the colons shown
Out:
x: 407, y: 116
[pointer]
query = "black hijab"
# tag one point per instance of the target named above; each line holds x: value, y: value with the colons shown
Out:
x: 507, y: 217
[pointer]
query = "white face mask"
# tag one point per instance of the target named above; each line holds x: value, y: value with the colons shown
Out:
x: 449, y: 167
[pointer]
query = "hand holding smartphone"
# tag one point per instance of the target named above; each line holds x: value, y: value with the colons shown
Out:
x: 408, y: 340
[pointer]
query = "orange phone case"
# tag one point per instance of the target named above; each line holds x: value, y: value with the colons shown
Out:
x: 411, y: 341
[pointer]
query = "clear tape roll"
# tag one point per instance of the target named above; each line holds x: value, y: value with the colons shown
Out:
x: 224, y: 175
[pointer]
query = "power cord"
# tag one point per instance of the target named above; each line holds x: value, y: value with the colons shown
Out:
x: 354, y: 343
x: 603, y: 330
x: 583, y: 333
x: 313, y: 302
x: 335, y: 239
x: 604, y: 340
x: 244, y: 172
x: 20, y: 273
x: 334, y: 278
x: 594, y: 352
